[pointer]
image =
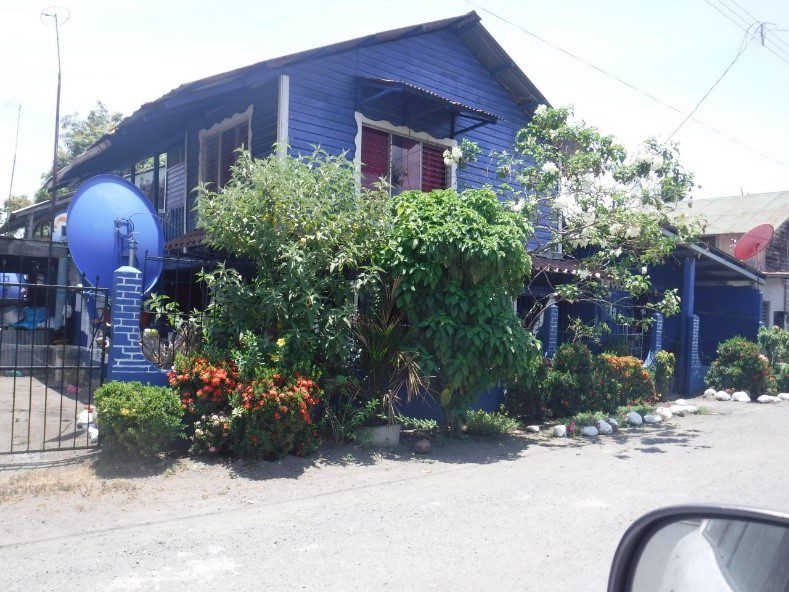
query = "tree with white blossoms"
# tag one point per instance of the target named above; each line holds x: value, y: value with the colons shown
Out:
x: 609, y: 212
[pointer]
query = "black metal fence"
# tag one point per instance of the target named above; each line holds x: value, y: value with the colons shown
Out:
x: 52, y: 358
x: 172, y: 317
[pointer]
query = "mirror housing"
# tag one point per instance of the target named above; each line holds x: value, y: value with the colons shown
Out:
x: 635, y: 539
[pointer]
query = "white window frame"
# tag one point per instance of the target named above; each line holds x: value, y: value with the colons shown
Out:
x: 217, y: 129
x: 400, y: 130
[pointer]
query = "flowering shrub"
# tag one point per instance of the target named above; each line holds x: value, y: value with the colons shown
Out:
x: 204, y: 387
x: 740, y: 365
x: 137, y: 419
x: 625, y: 380
x: 272, y: 417
x: 211, y: 434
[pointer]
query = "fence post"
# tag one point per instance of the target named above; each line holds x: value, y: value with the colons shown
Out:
x: 126, y: 361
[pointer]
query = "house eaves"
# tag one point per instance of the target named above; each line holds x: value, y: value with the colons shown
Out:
x: 467, y: 28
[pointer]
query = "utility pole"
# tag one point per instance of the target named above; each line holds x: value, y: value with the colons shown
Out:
x: 59, y: 15
x: 16, y: 145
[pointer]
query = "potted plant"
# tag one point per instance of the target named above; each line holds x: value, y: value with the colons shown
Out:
x: 388, y: 361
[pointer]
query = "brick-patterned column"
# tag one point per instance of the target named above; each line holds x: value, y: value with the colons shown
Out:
x: 656, y: 333
x: 551, y: 330
x: 126, y: 361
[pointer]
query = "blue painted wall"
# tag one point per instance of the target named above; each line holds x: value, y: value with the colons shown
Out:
x: 323, y: 99
x: 725, y: 312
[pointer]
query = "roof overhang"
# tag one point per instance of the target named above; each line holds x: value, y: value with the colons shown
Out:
x: 375, y: 89
x: 716, y: 265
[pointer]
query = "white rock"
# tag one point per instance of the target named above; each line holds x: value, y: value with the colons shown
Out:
x: 722, y: 396
x: 664, y: 412
x: 604, y: 427
x: 589, y: 431
x: 534, y: 429
x: 93, y: 434
x: 85, y: 418
x: 783, y: 396
x: 710, y: 392
x: 692, y: 409
x: 741, y: 396
x: 612, y: 422
x: 768, y: 399
x: 678, y: 410
x: 651, y: 418
x: 680, y: 402
x: 634, y: 418
x: 560, y: 431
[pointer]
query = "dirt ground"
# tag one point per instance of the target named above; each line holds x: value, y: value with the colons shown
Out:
x: 524, y: 512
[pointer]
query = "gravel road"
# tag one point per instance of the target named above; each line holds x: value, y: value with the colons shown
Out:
x: 519, y: 514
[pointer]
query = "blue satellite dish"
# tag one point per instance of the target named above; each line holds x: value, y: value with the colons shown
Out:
x: 106, y: 218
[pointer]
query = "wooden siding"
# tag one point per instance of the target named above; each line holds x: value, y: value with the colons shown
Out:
x: 174, y: 201
x: 264, y: 132
x: 323, y: 99
x: 323, y: 96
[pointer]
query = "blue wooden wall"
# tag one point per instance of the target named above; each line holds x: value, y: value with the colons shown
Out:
x: 264, y: 132
x: 323, y: 99
x: 323, y: 96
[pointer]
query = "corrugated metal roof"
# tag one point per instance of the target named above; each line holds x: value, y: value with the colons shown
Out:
x: 467, y: 27
x: 739, y: 213
x: 429, y: 94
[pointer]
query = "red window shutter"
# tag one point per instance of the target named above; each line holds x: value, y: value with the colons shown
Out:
x: 434, y: 171
x: 375, y: 156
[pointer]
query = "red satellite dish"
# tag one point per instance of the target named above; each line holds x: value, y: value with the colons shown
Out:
x: 754, y: 241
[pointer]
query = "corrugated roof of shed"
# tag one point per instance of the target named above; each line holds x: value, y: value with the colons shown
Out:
x: 739, y: 213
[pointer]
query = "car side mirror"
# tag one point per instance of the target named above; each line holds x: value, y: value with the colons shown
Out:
x: 703, y: 549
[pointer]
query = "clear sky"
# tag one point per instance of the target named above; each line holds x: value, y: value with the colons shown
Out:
x: 128, y: 53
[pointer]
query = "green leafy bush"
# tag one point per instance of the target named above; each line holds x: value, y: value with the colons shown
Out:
x: 138, y: 419
x: 625, y: 380
x: 345, y: 409
x: 740, y: 365
x: 272, y: 417
x: 462, y: 259
x: 663, y: 372
x: 484, y: 423
x: 310, y: 234
x: 525, y: 399
x: 781, y: 375
x: 571, y: 385
x: 774, y: 343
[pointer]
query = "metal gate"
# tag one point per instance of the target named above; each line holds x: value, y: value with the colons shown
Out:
x: 52, y: 358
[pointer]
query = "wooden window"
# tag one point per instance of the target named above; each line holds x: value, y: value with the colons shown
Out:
x: 402, y: 162
x: 219, y: 149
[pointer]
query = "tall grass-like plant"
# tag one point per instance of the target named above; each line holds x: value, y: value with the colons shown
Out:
x: 387, y: 354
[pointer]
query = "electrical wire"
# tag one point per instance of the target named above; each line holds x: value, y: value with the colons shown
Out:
x: 743, y: 46
x: 627, y: 84
x: 739, y: 24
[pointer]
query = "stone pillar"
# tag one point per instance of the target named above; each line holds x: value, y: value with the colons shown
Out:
x: 126, y: 361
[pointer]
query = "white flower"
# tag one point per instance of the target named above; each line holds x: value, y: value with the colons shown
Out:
x: 657, y: 162
x: 453, y: 155
x: 633, y: 231
x: 518, y: 205
x: 198, y: 433
x: 550, y: 167
x: 644, y: 270
x: 540, y: 109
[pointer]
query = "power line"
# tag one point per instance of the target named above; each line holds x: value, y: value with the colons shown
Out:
x: 728, y: 15
x: 743, y: 46
x: 627, y: 84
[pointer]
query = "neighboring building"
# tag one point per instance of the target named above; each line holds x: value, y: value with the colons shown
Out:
x: 728, y: 218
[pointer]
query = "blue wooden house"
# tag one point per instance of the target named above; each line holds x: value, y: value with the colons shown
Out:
x: 394, y: 101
